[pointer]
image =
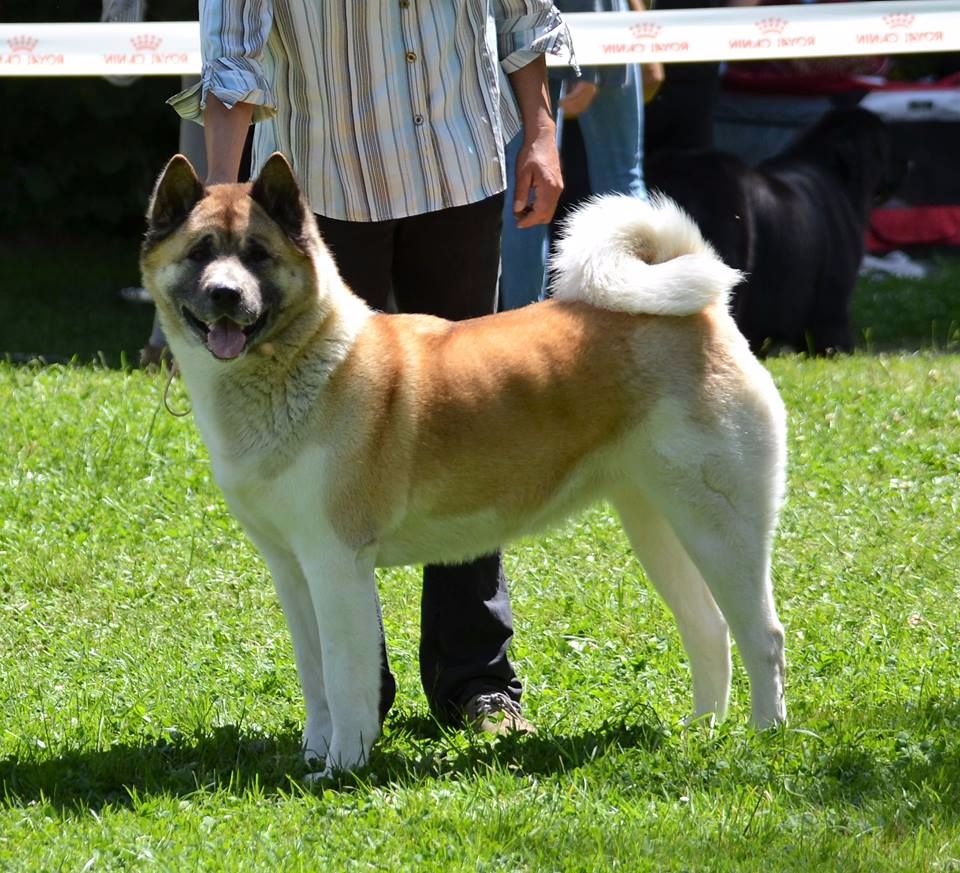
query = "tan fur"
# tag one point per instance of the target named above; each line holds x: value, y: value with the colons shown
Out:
x: 345, y: 439
x: 552, y: 356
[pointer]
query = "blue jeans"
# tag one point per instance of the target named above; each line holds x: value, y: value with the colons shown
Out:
x: 612, y: 131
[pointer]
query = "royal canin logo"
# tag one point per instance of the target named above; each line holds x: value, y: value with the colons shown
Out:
x: 146, y: 42
x: 647, y: 30
x: 899, y: 19
x: 22, y: 43
x: 772, y: 25
x: 22, y: 53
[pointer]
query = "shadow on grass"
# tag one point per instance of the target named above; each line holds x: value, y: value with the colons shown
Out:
x: 907, y: 757
x: 420, y: 748
x: 63, y: 304
x: 229, y: 760
x: 898, y: 314
x: 91, y: 779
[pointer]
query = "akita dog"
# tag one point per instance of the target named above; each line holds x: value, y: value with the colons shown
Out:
x: 346, y: 439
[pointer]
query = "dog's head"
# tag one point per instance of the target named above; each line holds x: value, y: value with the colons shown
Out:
x: 858, y: 148
x: 228, y: 266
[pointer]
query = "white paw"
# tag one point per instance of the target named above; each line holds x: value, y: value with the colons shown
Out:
x: 333, y: 764
x: 707, y: 720
x: 316, y: 776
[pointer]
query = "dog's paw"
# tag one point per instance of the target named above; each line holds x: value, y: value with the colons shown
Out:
x: 325, y: 774
x: 330, y: 764
x: 705, y: 721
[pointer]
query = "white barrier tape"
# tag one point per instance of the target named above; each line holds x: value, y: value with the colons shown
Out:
x: 732, y: 33
x: 150, y: 48
x: 765, y: 32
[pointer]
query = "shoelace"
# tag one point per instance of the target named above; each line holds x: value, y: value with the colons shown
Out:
x: 495, y: 701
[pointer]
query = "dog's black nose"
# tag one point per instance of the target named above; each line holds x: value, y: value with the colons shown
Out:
x: 224, y: 296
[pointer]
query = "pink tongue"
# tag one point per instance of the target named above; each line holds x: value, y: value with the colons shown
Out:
x: 226, y: 338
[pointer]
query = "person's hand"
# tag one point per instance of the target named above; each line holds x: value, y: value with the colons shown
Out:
x: 578, y: 98
x: 652, y: 77
x: 539, y: 180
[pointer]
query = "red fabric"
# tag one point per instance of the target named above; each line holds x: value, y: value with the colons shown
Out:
x: 944, y: 83
x: 898, y: 228
x: 766, y: 81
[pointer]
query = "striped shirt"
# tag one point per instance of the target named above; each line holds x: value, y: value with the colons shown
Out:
x: 385, y: 108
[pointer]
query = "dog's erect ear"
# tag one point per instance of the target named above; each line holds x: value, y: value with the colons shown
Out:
x: 277, y: 191
x: 176, y: 193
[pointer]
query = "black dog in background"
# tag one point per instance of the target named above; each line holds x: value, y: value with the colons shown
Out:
x: 794, y: 224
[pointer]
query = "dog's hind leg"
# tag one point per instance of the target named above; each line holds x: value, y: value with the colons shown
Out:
x: 737, y: 573
x: 679, y: 582
x: 729, y: 538
x: 718, y: 479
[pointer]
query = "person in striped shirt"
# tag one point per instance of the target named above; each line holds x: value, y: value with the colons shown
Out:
x: 394, y: 115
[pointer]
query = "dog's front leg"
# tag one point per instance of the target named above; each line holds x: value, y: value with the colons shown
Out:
x: 344, y: 594
x: 294, y: 594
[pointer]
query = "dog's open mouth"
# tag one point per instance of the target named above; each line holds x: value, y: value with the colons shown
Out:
x: 225, y: 338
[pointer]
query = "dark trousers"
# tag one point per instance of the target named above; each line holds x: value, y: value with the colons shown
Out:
x: 442, y: 263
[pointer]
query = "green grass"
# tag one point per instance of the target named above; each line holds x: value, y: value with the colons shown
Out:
x: 150, y: 713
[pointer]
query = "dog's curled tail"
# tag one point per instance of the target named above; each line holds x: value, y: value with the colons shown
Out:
x: 622, y: 253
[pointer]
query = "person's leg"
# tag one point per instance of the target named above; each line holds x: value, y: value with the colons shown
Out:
x: 363, y: 254
x: 465, y: 630
x: 446, y: 264
x: 612, y: 129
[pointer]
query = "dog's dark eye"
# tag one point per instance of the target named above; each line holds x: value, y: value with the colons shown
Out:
x: 256, y: 253
x: 201, y: 251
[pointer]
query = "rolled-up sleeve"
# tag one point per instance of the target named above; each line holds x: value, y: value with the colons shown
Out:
x: 233, y: 34
x: 528, y: 28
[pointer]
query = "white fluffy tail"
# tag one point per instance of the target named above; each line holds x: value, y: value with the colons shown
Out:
x: 622, y: 253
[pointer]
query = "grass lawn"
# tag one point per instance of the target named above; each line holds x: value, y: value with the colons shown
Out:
x: 149, y: 707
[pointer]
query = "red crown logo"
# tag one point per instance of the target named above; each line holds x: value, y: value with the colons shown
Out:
x: 22, y: 43
x: 899, y: 19
x: 146, y: 42
x: 648, y: 30
x: 771, y: 25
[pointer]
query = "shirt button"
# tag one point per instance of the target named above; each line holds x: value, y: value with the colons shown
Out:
x: 411, y: 57
x: 404, y: 4
x: 418, y: 120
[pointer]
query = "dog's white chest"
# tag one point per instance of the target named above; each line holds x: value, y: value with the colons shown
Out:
x: 284, y: 507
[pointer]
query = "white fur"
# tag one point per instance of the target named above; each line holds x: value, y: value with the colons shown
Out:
x: 622, y: 253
